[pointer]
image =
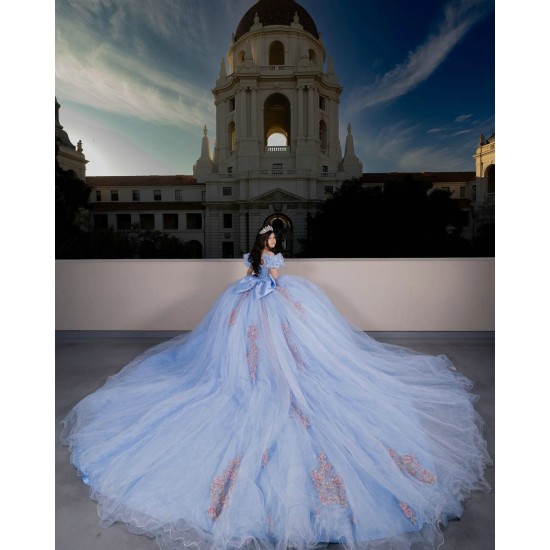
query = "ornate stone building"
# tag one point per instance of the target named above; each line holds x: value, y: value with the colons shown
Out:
x: 69, y: 156
x: 273, y: 86
x: 483, y: 189
x: 485, y: 170
x: 276, y: 154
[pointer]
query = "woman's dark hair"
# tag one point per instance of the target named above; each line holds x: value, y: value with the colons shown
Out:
x: 255, y: 257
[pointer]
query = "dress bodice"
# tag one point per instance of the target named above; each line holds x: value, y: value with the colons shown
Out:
x: 264, y: 284
x: 268, y: 262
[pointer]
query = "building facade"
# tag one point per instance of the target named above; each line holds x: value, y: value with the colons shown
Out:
x: 68, y: 156
x: 277, y: 150
x: 276, y: 155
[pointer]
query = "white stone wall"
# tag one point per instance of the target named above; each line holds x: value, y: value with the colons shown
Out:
x: 378, y: 294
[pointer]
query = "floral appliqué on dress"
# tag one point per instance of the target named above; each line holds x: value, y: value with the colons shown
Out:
x: 221, y: 487
x: 253, y: 353
x: 235, y: 311
x: 410, y: 465
x: 409, y: 514
x: 329, y: 485
x: 303, y: 419
x: 296, y: 305
x: 293, y: 347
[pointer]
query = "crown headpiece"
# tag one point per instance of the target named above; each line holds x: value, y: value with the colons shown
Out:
x: 266, y: 229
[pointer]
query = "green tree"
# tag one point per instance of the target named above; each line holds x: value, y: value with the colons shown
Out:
x: 404, y: 219
x: 71, y: 210
x: 74, y: 240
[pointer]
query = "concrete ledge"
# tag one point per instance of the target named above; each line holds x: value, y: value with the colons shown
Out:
x: 443, y: 294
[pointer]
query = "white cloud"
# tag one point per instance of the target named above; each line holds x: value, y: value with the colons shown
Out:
x: 108, y: 151
x: 462, y: 118
x: 112, y: 82
x: 398, y: 146
x: 421, y: 63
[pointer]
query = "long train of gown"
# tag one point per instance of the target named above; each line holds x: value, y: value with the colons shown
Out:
x: 276, y: 424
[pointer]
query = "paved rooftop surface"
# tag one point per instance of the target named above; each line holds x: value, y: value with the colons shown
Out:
x: 84, y: 360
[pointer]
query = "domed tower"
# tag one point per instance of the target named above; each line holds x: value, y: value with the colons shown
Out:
x: 277, y: 126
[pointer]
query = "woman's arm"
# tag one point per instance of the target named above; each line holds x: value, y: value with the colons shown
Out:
x: 249, y: 271
x: 274, y: 273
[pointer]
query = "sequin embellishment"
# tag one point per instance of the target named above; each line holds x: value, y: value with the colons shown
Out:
x: 293, y: 347
x: 221, y: 487
x: 265, y: 459
x: 299, y: 307
x: 252, y: 355
x: 329, y: 485
x: 409, y: 514
x: 304, y: 421
x: 233, y: 315
x: 410, y: 465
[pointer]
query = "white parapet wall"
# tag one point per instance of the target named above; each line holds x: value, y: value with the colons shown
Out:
x: 455, y: 294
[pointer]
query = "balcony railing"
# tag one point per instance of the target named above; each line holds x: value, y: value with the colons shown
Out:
x: 286, y: 68
x: 279, y: 172
x: 277, y: 149
x: 274, y: 172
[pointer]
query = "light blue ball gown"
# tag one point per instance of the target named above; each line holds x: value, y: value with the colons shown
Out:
x: 276, y: 424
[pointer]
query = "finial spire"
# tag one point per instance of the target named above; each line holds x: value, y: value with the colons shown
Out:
x: 350, y: 161
x: 205, y: 149
x: 223, y: 72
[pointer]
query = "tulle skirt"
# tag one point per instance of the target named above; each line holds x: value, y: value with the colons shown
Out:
x: 275, y: 424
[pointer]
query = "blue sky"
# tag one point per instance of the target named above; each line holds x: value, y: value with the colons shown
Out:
x: 134, y: 79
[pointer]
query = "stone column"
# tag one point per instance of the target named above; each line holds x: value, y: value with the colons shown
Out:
x: 242, y: 92
x: 310, y: 112
x: 254, y: 113
x: 336, y: 122
x: 300, y: 111
x: 221, y: 130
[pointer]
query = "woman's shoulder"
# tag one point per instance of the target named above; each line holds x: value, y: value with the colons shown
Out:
x: 274, y: 260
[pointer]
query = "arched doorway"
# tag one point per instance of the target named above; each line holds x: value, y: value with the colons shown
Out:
x: 283, y: 229
x: 194, y: 249
x: 277, y: 117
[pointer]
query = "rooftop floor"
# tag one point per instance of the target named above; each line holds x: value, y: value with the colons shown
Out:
x: 85, y: 359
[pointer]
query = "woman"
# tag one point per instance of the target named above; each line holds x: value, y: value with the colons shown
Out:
x: 277, y: 424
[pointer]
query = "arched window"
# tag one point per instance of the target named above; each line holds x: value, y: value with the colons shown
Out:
x: 490, y: 175
x: 277, y: 118
x: 240, y: 57
x: 312, y: 56
x: 231, y: 137
x: 276, y: 53
x: 323, y: 135
x: 277, y: 139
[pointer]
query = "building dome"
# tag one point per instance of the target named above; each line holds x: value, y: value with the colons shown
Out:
x: 276, y: 12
